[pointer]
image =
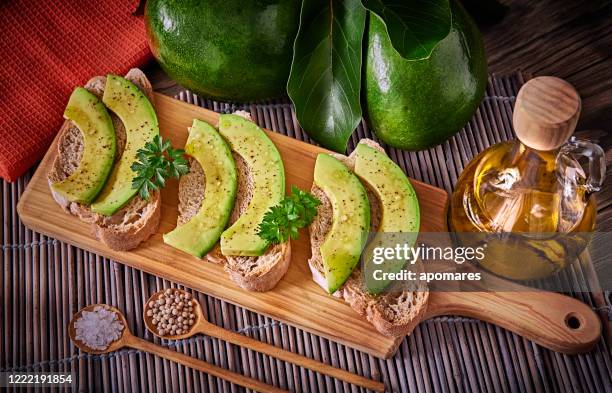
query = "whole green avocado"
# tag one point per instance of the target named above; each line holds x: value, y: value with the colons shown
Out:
x: 232, y: 50
x: 417, y: 104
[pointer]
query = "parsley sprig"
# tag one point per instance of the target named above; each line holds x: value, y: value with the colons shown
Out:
x: 156, y: 162
x: 282, y: 221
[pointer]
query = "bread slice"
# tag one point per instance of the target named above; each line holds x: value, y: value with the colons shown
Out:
x: 251, y: 273
x: 139, y: 219
x: 393, y: 313
x: 261, y: 273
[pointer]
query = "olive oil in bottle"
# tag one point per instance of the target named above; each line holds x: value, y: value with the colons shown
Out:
x: 532, y: 195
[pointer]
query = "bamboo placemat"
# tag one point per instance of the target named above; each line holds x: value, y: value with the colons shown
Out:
x: 46, y: 281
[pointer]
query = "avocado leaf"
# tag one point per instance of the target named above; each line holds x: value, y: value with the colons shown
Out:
x: 325, y: 73
x: 415, y: 27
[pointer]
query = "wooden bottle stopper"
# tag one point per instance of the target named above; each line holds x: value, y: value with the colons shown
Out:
x: 546, y: 112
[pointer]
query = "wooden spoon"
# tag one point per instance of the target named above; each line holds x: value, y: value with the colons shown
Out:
x: 201, y: 325
x: 127, y: 339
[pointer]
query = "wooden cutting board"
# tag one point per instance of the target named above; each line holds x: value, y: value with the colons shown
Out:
x: 296, y: 300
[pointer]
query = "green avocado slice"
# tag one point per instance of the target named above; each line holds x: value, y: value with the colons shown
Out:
x: 268, y: 184
x: 200, y: 234
x: 399, y: 203
x: 99, y: 145
x: 137, y: 114
x: 399, y: 207
x: 348, y: 235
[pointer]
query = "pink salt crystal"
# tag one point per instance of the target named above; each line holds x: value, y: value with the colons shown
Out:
x: 97, y: 329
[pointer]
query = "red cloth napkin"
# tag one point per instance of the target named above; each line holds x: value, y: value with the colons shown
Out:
x: 48, y: 48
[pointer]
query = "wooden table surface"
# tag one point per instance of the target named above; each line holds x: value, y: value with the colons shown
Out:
x: 565, y: 38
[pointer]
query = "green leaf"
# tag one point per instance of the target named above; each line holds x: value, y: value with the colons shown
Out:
x: 284, y: 220
x: 152, y: 167
x: 326, y: 70
x: 414, y: 26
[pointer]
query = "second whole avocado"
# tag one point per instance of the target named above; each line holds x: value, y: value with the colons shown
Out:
x: 230, y: 50
x: 416, y: 104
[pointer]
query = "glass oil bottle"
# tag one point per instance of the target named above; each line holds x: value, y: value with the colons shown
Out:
x: 531, y: 200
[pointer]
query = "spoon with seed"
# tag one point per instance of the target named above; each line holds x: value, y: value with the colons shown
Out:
x: 166, y: 302
x: 128, y: 340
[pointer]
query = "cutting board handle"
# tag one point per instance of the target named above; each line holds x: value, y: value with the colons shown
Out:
x: 555, y: 321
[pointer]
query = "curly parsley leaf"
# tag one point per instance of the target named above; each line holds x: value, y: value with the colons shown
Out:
x: 283, y: 221
x: 156, y: 162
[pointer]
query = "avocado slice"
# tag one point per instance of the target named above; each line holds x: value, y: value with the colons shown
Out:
x: 99, y: 145
x: 137, y: 114
x: 399, y: 207
x: 200, y: 234
x: 351, y: 219
x: 268, y: 184
x: 398, y: 200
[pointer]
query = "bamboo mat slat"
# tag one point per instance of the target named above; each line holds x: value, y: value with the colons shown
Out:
x: 46, y: 281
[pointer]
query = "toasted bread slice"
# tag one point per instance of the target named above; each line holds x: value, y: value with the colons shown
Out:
x: 251, y: 273
x: 394, y: 313
x: 136, y: 221
x: 261, y: 273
